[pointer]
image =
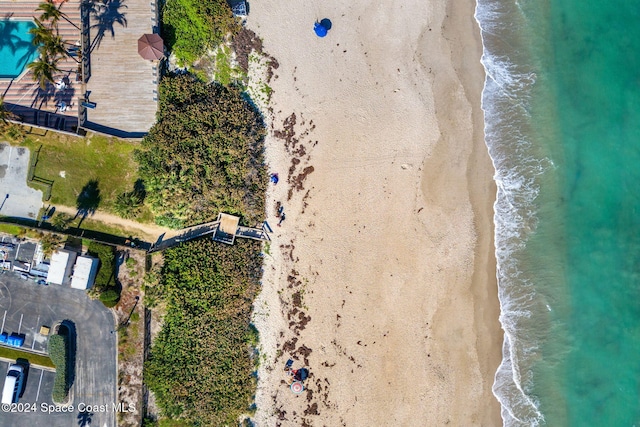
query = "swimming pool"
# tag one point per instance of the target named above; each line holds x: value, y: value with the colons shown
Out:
x: 16, y: 48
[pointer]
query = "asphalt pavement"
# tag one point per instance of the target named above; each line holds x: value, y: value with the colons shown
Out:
x: 24, y: 308
x: 17, y: 199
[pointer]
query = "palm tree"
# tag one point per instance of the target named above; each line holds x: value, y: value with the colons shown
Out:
x: 53, y: 47
x: 50, y: 12
x: 50, y: 243
x: 41, y: 34
x: 48, y: 43
x: 4, y: 114
x: 128, y: 205
x: 43, y: 70
x: 61, y: 221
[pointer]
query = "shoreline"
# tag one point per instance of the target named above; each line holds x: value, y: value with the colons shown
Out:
x: 387, y: 250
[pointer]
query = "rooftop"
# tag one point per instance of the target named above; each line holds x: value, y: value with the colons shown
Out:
x: 84, y: 272
x: 60, y: 267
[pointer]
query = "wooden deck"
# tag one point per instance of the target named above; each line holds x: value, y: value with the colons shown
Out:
x: 23, y: 96
x: 122, y: 85
x: 213, y: 227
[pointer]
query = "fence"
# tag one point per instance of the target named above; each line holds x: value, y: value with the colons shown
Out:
x: 32, y: 178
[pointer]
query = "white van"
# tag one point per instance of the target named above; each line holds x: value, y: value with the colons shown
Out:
x: 12, y: 384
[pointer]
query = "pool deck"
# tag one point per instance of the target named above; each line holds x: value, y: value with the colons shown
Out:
x: 122, y: 84
x: 118, y: 82
x: 23, y: 96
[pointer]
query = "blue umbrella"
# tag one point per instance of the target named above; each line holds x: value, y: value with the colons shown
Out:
x: 320, y: 30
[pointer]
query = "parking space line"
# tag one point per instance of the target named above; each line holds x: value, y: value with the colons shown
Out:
x: 3, y: 319
x: 10, y: 151
x: 33, y: 344
x: 38, y: 393
x: 20, y: 325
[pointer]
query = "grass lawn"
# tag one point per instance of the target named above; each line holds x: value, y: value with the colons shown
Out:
x: 34, y: 359
x: 109, y: 161
x: 18, y: 231
x: 11, y: 229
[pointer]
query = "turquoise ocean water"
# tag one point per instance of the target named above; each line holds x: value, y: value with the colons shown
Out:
x: 562, y: 123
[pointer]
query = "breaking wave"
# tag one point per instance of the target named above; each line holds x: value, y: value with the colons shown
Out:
x: 518, y: 162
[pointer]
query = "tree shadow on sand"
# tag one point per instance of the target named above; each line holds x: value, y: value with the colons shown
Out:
x: 105, y: 14
x: 88, y: 200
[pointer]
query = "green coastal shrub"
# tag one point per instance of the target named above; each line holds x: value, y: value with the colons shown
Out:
x: 58, y: 354
x: 191, y: 27
x: 200, y: 367
x: 204, y: 155
x: 105, y: 288
x: 105, y: 277
x: 109, y: 298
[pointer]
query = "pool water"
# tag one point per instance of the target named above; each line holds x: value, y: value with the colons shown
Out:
x: 16, y: 48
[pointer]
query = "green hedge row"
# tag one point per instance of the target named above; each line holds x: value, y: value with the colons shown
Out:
x: 58, y: 353
x: 105, y: 285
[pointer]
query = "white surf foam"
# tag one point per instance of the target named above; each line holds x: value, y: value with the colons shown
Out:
x: 505, y: 104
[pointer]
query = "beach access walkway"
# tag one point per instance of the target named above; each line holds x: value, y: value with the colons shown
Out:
x: 220, y: 230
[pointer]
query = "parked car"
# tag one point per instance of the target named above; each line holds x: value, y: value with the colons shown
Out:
x: 42, y: 282
x: 12, y: 384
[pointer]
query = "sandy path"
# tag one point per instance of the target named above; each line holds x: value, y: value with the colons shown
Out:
x: 151, y: 232
x: 381, y: 279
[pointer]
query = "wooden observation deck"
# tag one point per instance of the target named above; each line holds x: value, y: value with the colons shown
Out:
x: 224, y: 229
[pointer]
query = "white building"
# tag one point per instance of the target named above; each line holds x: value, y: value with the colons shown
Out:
x: 61, y: 266
x: 84, y: 272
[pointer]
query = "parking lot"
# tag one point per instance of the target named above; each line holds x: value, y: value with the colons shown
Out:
x: 37, y: 385
x: 24, y: 308
x: 27, y: 326
x: 18, y: 255
x: 17, y: 199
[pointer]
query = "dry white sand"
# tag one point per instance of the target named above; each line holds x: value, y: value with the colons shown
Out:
x: 381, y: 279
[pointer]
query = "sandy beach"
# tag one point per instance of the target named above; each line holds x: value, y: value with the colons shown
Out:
x: 381, y: 279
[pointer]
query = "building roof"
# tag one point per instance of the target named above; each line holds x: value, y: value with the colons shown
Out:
x: 84, y: 272
x: 60, y: 266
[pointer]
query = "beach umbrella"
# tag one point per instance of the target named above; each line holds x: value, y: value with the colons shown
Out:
x: 320, y: 30
x: 301, y: 374
x: 151, y: 47
x: 297, y: 387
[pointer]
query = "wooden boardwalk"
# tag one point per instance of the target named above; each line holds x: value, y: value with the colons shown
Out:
x: 122, y: 85
x: 23, y: 96
x: 200, y: 230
